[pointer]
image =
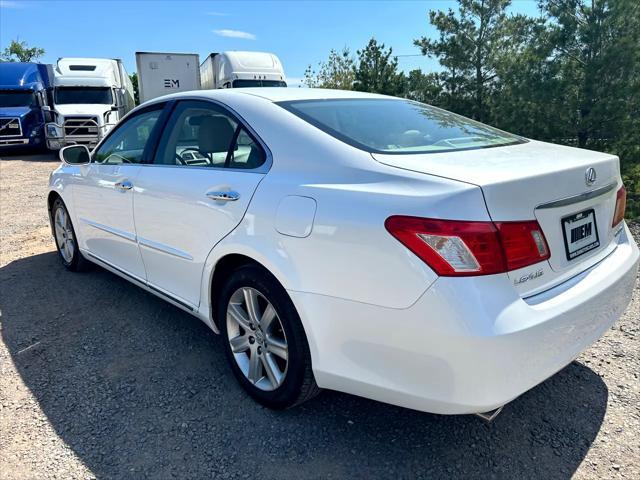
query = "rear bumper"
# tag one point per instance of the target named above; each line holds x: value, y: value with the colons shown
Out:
x: 468, y: 344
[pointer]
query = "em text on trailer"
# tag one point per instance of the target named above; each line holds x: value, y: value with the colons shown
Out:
x: 163, y: 73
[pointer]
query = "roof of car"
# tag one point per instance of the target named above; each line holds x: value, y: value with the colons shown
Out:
x: 275, y: 94
x: 291, y: 93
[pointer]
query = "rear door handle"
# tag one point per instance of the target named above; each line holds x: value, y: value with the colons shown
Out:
x: 124, y: 185
x: 224, y: 196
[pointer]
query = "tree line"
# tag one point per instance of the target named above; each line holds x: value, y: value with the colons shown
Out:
x: 570, y: 75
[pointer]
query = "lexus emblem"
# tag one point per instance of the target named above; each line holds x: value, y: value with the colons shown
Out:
x: 590, y: 176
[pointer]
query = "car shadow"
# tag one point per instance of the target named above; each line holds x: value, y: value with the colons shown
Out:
x: 138, y: 388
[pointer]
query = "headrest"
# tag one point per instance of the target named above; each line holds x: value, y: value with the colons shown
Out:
x: 215, y: 134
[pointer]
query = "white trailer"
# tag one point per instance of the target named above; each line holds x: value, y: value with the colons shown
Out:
x: 242, y: 69
x: 163, y: 73
x: 90, y: 96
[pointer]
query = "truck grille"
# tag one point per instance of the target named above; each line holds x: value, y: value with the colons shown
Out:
x: 81, y: 127
x: 10, y: 127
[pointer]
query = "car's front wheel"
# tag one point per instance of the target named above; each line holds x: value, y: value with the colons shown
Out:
x: 65, y: 236
x: 265, y: 342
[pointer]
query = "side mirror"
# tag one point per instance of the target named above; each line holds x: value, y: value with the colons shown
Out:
x: 75, y: 155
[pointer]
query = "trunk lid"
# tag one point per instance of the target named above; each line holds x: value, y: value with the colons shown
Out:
x: 542, y: 181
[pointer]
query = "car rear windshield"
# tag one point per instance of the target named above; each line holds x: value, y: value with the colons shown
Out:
x: 397, y: 126
x: 73, y: 95
x: 10, y: 98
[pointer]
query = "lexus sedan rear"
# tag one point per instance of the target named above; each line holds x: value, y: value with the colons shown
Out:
x: 356, y: 242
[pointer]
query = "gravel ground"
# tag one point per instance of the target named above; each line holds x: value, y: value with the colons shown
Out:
x: 99, y: 379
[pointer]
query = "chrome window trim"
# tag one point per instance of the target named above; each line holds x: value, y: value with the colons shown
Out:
x: 258, y: 170
x: 581, y: 197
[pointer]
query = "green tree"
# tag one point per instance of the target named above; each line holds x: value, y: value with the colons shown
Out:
x: 631, y: 178
x: 527, y: 96
x: 597, y: 57
x: 470, y: 46
x: 337, y: 72
x: 423, y: 87
x: 18, y: 51
x: 377, y: 71
x: 136, y: 92
x: 595, y: 67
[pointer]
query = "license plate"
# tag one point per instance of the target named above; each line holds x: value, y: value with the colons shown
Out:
x: 580, y: 233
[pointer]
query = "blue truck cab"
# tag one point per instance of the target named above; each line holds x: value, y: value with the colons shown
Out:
x: 25, y: 104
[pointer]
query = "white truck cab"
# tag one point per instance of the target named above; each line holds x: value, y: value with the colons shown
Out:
x: 235, y: 69
x: 90, y: 96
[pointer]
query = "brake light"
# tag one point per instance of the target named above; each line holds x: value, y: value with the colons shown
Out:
x: 621, y: 206
x: 523, y: 243
x: 461, y: 248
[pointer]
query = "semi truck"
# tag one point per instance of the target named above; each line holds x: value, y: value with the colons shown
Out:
x: 236, y: 69
x: 163, y: 73
x: 90, y: 96
x: 25, y: 104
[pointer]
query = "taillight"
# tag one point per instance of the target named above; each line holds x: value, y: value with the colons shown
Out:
x: 621, y: 206
x: 523, y: 243
x: 461, y: 248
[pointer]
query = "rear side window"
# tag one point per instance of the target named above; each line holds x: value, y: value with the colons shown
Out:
x: 201, y: 134
x: 397, y: 126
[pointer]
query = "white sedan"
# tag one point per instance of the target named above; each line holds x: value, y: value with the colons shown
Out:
x: 356, y: 242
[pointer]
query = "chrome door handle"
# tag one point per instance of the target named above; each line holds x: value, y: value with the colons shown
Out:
x: 224, y: 196
x: 124, y: 185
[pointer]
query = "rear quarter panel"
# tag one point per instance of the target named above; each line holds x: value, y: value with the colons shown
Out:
x: 348, y: 253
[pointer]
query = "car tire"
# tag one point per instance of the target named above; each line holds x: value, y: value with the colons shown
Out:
x: 65, y: 238
x: 298, y: 383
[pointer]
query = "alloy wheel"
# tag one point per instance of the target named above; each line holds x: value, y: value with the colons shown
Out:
x: 64, y: 234
x: 257, y: 339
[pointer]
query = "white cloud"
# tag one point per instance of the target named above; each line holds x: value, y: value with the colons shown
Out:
x: 11, y: 4
x: 225, y: 32
x: 217, y: 14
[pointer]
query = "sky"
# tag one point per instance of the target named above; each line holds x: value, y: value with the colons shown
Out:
x: 300, y: 33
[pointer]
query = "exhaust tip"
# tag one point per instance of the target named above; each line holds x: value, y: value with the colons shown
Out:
x: 490, y: 415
